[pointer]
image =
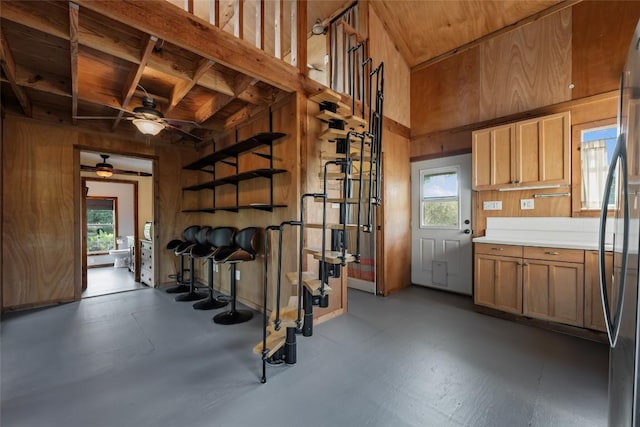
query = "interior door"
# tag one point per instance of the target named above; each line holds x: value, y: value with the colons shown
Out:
x: 441, y: 255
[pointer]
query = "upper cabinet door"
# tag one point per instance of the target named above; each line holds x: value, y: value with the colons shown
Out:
x: 534, y: 152
x: 543, y: 150
x: 493, y: 157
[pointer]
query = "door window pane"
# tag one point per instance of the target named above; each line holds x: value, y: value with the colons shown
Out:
x: 439, y: 203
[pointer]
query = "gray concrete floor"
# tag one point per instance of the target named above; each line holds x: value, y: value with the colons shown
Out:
x: 109, y: 280
x: 417, y: 358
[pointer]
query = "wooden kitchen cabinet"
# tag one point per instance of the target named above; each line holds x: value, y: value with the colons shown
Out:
x: 593, y: 313
x: 493, y: 157
x: 533, y: 152
x: 538, y: 282
x: 498, y: 277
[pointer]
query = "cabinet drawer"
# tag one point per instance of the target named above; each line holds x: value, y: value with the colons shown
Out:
x: 554, y: 254
x: 146, y: 264
x: 146, y: 277
x: 500, y: 250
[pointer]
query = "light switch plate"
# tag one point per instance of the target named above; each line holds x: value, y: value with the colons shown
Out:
x: 526, y: 204
x: 237, y: 274
x: 493, y: 205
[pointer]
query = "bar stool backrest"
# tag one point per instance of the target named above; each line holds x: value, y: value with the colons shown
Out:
x: 247, y: 240
x: 201, y: 235
x: 190, y: 232
x: 221, y: 237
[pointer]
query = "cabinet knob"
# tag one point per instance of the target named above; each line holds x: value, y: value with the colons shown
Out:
x: 552, y: 253
x: 497, y: 249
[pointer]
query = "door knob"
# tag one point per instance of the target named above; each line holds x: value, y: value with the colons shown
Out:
x: 467, y: 231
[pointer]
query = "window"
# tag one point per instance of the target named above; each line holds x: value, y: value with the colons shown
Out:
x: 596, y: 150
x: 439, y: 205
x: 101, y: 224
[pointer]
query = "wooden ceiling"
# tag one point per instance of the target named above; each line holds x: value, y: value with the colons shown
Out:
x: 60, y: 60
x: 423, y: 30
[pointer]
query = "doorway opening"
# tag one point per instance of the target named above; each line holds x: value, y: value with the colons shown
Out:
x: 115, y: 207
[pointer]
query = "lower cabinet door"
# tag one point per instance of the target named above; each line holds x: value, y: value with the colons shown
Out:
x: 498, y: 282
x: 554, y: 291
x: 593, y: 312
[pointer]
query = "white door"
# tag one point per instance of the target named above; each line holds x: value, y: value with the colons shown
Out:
x: 441, y: 255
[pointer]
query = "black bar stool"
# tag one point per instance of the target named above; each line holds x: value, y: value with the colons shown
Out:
x: 246, y: 242
x: 185, y: 249
x: 188, y: 235
x: 217, y: 238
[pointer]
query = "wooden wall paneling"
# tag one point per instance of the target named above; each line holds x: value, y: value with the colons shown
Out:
x: 602, y: 32
x: 526, y: 68
x: 397, y: 91
x: 38, y: 219
x: 544, y: 207
x: 445, y: 95
x: 396, y: 204
x: 440, y: 144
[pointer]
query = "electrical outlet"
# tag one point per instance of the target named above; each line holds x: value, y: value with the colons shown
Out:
x: 237, y: 274
x: 494, y: 205
x: 335, y: 205
x: 215, y: 267
x: 526, y: 204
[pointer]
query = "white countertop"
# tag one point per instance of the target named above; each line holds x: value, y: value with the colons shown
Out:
x: 569, y: 233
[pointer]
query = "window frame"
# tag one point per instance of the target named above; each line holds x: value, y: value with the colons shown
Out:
x: 114, y: 200
x: 439, y: 171
x: 576, y: 166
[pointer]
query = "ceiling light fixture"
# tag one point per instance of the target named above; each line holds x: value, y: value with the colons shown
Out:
x: 104, y: 169
x: 148, y: 127
x: 318, y: 28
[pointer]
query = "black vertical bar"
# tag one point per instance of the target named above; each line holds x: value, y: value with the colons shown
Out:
x: 290, y: 356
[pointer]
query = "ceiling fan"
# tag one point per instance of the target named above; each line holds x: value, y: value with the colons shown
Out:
x: 105, y: 170
x: 149, y: 121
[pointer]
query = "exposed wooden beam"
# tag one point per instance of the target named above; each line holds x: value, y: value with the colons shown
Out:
x: 214, y: 12
x: 238, y: 19
x: 9, y: 68
x: 256, y: 96
x: 260, y: 24
x: 73, y: 54
x: 30, y: 15
x: 301, y: 37
x: 212, y: 106
x: 217, y: 81
x: 189, y: 32
x: 182, y: 89
x: 277, y: 27
x: 43, y: 81
x: 521, y: 23
x: 133, y: 79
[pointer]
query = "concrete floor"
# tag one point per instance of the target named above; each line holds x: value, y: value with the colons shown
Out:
x: 417, y: 358
x: 109, y: 280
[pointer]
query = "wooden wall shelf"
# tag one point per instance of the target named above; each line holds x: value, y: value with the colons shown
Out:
x: 229, y: 155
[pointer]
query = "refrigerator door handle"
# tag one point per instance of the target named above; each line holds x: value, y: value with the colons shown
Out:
x: 612, y: 321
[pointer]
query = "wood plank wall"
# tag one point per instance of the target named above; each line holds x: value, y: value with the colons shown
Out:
x: 526, y: 71
x: 397, y: 90
x: 395, y: 214
x: 42, y: 259
x: 286, y: 188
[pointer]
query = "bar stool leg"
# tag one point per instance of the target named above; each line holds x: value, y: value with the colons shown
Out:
x: 210, y: 303
x: 233, y: 316
x: 180, y: 287
x: 192, y: 295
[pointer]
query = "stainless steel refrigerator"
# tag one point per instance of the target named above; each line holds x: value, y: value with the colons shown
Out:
x: 620, y: 290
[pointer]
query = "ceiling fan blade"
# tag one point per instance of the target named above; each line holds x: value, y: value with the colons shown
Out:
x: 88, y: 168
x: 184, y: 133
x: 128, y: 172
x: 182, y: 122
x: 95, y: 117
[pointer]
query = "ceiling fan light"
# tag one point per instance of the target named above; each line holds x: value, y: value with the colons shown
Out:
x: 104, y: 170
x: 148, y: 127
